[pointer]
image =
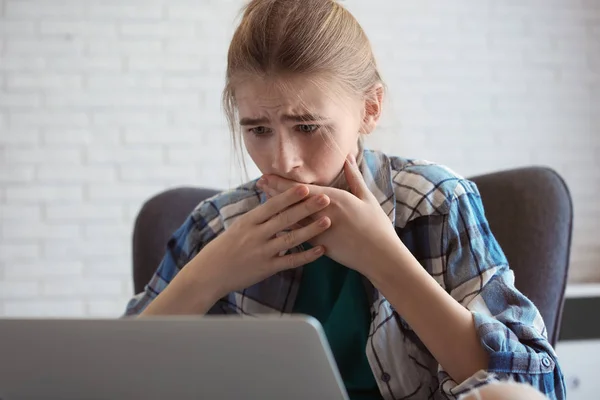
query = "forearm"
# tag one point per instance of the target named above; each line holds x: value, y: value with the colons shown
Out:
x: 189, y: 293
x: 505, y: 391
x: 445, y: 327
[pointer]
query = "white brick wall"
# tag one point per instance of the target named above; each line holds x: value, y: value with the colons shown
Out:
x: 103, y: 103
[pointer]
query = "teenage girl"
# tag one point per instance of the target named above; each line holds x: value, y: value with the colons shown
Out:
x: 393, y: 256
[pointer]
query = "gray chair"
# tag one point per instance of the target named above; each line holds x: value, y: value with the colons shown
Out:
x: 158, y: 218
x: 529, y: 211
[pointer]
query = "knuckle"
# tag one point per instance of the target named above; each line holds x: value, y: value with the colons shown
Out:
x: 291, y: 193
x: 306, y: 257
x: 283, y: 218
x: 289, y: 238
x: 316, y: 227
x: 291, y: 261
x: 313, y: 205
x: 240, y: 222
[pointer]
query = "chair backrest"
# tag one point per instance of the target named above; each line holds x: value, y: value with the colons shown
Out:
x: 158, y: 218
x: 529, y: 211
x: 531, y: 215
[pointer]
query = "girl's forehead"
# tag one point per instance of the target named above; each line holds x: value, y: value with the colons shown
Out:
x: 280, y: 94
x: 256, y: 99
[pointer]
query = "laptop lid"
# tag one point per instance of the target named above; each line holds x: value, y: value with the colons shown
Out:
x: 167, y: 357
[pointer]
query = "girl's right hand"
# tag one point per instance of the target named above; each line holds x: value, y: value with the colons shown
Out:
x: 249, y: 251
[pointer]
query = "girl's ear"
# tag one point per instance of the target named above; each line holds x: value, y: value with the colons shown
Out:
x: 373, y: 105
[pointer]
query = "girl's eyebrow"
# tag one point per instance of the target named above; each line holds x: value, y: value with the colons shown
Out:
x: 286, y: 117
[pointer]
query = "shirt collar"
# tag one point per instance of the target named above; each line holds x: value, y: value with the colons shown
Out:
x: 376, y: 170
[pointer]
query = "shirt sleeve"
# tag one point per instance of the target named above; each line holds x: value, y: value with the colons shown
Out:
x: 509, y: 326
x: 202, y: 226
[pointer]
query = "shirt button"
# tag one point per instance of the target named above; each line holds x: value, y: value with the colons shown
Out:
x: 385, y: 377
x: 546, y: 362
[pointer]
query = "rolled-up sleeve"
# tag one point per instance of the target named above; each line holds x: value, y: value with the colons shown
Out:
x: 175, y: 257
x: 508, y: 324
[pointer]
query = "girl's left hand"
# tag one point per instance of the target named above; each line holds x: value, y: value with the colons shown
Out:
x: 360, y: 231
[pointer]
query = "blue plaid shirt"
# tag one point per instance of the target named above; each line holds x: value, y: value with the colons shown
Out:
x: 440, y: 218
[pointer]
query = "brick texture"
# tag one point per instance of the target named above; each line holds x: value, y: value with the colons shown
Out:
x: 104, y: 103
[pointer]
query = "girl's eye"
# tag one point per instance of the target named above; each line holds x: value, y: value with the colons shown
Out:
x: 259, y: 130
x: 308, y: 128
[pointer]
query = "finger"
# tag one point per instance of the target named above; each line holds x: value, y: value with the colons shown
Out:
x: 355, y: 180
x: 276, y: 184
x: 293, y: 238
x: 296, y: 260
x: 261, y: 185
x: 310, y: 220
x: 277, y: 204
x: 296, y: 213
x: 269, y: 192
x: 307, y: 221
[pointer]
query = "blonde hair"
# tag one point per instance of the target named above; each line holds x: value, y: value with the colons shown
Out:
x: 317, y: 39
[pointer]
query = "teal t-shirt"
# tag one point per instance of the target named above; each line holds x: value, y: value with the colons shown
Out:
x: 336, y: 296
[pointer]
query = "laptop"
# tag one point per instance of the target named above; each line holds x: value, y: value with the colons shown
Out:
x: 216, y: 357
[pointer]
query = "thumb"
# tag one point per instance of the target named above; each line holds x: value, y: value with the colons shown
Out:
x: 355, y: 180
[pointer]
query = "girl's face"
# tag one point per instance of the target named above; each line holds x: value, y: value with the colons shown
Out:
x: 301, y: 133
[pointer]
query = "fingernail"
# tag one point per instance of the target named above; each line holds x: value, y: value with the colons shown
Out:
x: 319, y: 250
x: 302, y: 190
x: 322, y: 200
x: 261, y: 182
x: 323, y: 222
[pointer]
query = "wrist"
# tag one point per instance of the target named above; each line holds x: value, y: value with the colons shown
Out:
x: 191, y: 292
x: 202, y: 280
x: 389, y: 263
x: 181, y: 297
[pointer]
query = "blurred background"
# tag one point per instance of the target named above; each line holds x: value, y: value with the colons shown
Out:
x: 105, y: 103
